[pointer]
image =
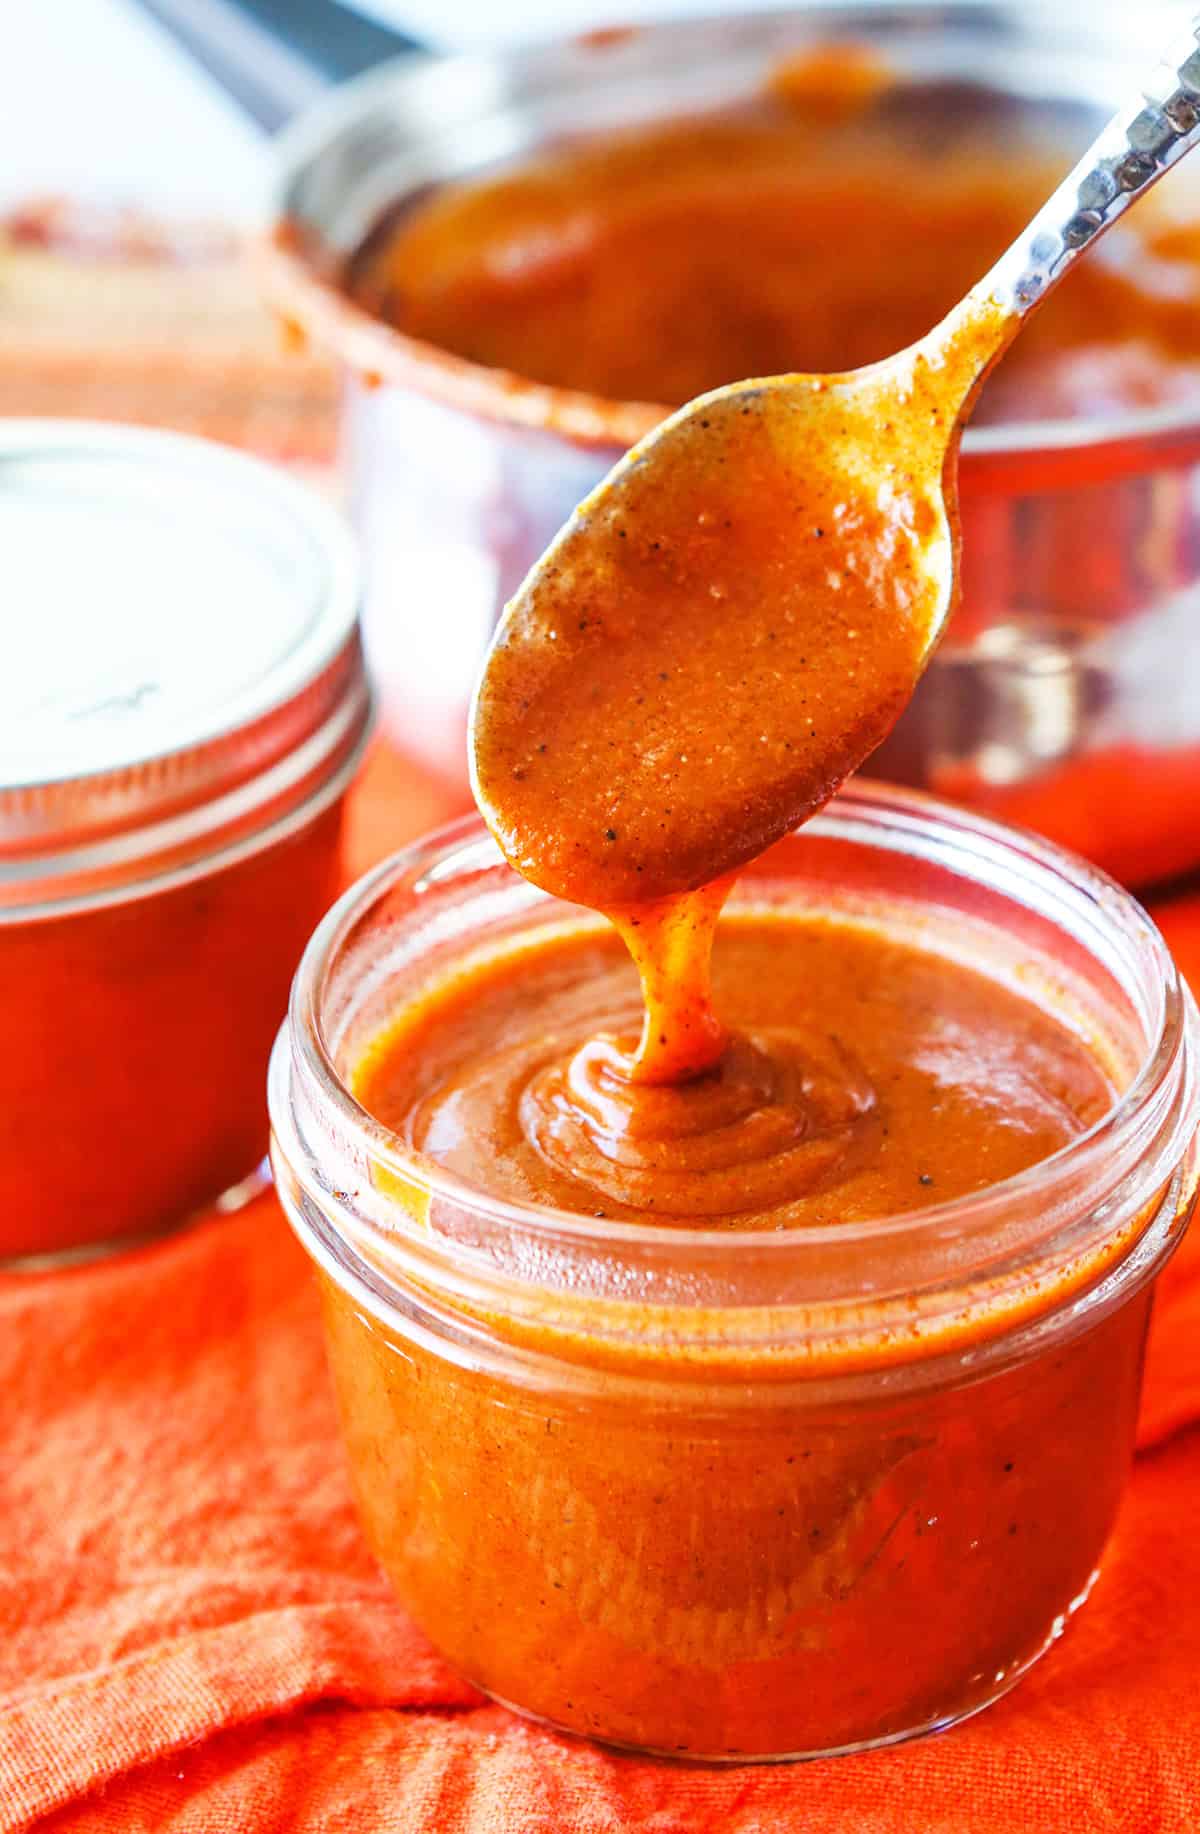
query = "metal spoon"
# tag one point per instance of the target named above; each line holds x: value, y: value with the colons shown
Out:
x: 734, y: 619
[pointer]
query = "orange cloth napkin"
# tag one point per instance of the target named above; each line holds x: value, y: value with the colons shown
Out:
x: 193, y: 1637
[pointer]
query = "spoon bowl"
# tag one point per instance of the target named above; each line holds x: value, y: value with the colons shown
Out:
x: 729, y: 624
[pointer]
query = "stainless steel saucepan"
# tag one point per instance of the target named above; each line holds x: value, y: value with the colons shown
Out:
x: 1067, y: 694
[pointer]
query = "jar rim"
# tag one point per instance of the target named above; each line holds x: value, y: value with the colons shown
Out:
x: 860, y: 802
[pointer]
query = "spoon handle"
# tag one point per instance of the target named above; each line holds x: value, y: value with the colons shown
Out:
x: 1141, y: 142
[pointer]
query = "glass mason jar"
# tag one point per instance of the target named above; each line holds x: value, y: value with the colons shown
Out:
x: 184, y: 704
x: 746, y: 1495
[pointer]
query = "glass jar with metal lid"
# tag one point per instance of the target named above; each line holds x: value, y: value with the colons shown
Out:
x: 182, y: 706
x: 744, y: 1492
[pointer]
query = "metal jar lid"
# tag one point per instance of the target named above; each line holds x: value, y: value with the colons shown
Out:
x: 182, y: 676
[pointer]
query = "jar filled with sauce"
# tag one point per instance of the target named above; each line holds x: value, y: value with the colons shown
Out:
x: 759, y: 1478
x: 182, y: 707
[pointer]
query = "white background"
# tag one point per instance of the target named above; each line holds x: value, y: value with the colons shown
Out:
x: 96, y: 100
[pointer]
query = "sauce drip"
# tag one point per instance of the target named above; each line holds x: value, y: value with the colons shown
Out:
x: 671, y: 943
x: 775, y: 1118
x: 721, y: 634
x: 864, y: 1076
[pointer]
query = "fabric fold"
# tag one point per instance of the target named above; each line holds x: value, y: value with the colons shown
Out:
x: 68, y: 1737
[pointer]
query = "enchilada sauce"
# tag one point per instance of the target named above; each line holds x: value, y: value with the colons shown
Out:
x: 106, y: 1135
x: 654, y: 266
x: 708, y: 650
x: 722, y: 631
x: 745, y: 1559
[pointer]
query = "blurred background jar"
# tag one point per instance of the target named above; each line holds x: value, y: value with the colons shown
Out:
x: 182, y: 707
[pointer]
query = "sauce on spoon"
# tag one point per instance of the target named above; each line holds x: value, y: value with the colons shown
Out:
x: 716, y: 640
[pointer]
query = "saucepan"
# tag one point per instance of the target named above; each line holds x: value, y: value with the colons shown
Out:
x: 1067, y: 693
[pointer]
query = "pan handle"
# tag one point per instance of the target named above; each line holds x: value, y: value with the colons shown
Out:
x: 275, y: 56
